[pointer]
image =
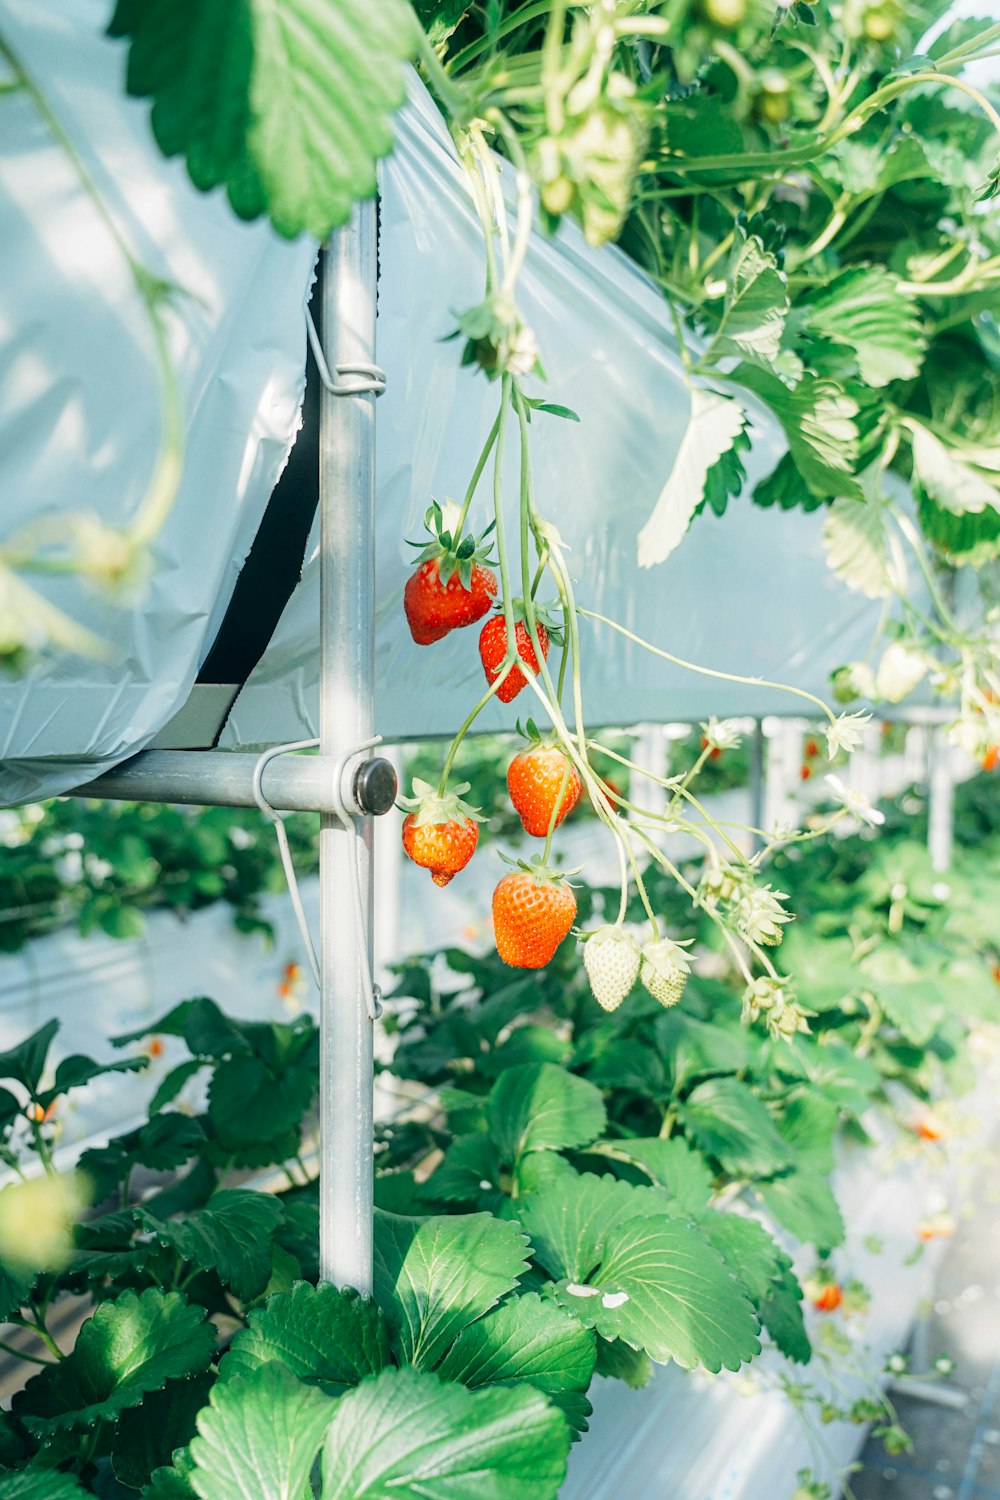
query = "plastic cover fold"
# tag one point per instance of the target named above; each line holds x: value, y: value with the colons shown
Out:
x: 749, y: 593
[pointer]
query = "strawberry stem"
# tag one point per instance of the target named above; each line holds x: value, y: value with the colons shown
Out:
x: 691, y: 666
x: 476, y: 476
x: 467, y: 723
x: 553, y: 815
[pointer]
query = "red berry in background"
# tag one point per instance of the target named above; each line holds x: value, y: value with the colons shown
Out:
x: 493, y: 653
x: 829, y: 1298
x: 441, y: 832
x: 805, y: 772
x: 811, y: 749
x: 433, y: 608
x: 538, y: 779
x: 992, y: 758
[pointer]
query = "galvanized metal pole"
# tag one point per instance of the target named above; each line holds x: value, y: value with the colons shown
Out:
x: 940, y: 801
x: 756, y: 789
x: 346, y: 718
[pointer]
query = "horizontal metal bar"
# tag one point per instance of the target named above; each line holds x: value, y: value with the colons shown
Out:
x: 220, y: 778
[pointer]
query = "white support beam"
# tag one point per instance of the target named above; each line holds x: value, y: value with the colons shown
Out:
x: 346, y: 719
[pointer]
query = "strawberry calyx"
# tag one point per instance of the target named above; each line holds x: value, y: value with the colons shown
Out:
x: 455, y: 553
x: 428, y: 805
x: 536, y: 738
x: 541, y: 873
x: 549, y: 615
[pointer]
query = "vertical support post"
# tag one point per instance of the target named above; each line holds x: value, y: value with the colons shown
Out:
x: 346, y: 718
x: 757, y: 808
x: 940, y: 802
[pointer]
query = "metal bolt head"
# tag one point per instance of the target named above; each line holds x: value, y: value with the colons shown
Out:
x: 375, y: 786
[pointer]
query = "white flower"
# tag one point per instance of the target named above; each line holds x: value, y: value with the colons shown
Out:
x: 899, y: 671
x: 720, y: 734
x: 854, y: 802
x: 845, y: 732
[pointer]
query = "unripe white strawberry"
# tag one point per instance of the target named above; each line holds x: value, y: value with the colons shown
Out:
x: 900, y: 670
x: 611, y: 959
x: 664, y: 970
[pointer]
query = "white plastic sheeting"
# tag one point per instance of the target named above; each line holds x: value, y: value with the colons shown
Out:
x: 80, y: 425
x: 80, y: 421
x: 750, y: 593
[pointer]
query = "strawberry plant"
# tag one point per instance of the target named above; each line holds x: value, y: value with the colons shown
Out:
x: 103, y: 864
x: 599, y: 1191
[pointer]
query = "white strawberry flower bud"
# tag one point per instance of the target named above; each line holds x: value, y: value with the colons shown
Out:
x: 720, y: 734
x: 900, y: 670
x: 720, y: 882
x: 664, y: 970
x: 761, y: 995
x: 786, y: 1020
x: 854, y: 802
x: 760, y: 915
x: 845, y: 732
x: 611, y: 959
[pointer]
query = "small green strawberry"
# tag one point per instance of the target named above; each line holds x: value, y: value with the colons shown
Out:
x: 611, y: 959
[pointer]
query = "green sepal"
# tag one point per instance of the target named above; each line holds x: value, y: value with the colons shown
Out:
x: 430, y: 806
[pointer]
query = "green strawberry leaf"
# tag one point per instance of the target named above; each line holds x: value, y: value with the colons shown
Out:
x: 542, y: 1107
x: 523, y: 1340
x: 407, y: 1436
x: 127, y: 1348
x: 661, y: 1287
x: 568, y: 1221
x: 200, y: 1023
x: 618, y: 1361
x: 250, y: 1107
x: 326, y: 1337
x: 715, y: 425
x: 966, y: 540
x: 728, y: 1122
x: 40, y: 1484
x: 25, y: 1063
x: 147, y: 1436
x: 670, y: 1164
x: 259, y: 1436
x: 864, y: 310
x: 231, y: 1236
x: 435, y: 1276
x: 781, y: 1315
x: 747, y: 1248
x: 288, y: 105
x: 817, y: 417
x: 15, y: 1287
x: 756, y: 303
x: 961, y: 479
x: 857, y: 547
x: 804, y: 1204
x: 469, y: 1161
x: 172, y: 1483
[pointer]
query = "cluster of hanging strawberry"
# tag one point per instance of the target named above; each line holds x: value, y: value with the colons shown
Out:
x: 533, y: 906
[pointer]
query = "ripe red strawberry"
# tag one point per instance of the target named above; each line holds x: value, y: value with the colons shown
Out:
x: 493, y: 651
x: 442, y: 831
x: 828, y: 1298
x: 452, y: 587
x: 535, y: 779
x: 533, y: 910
